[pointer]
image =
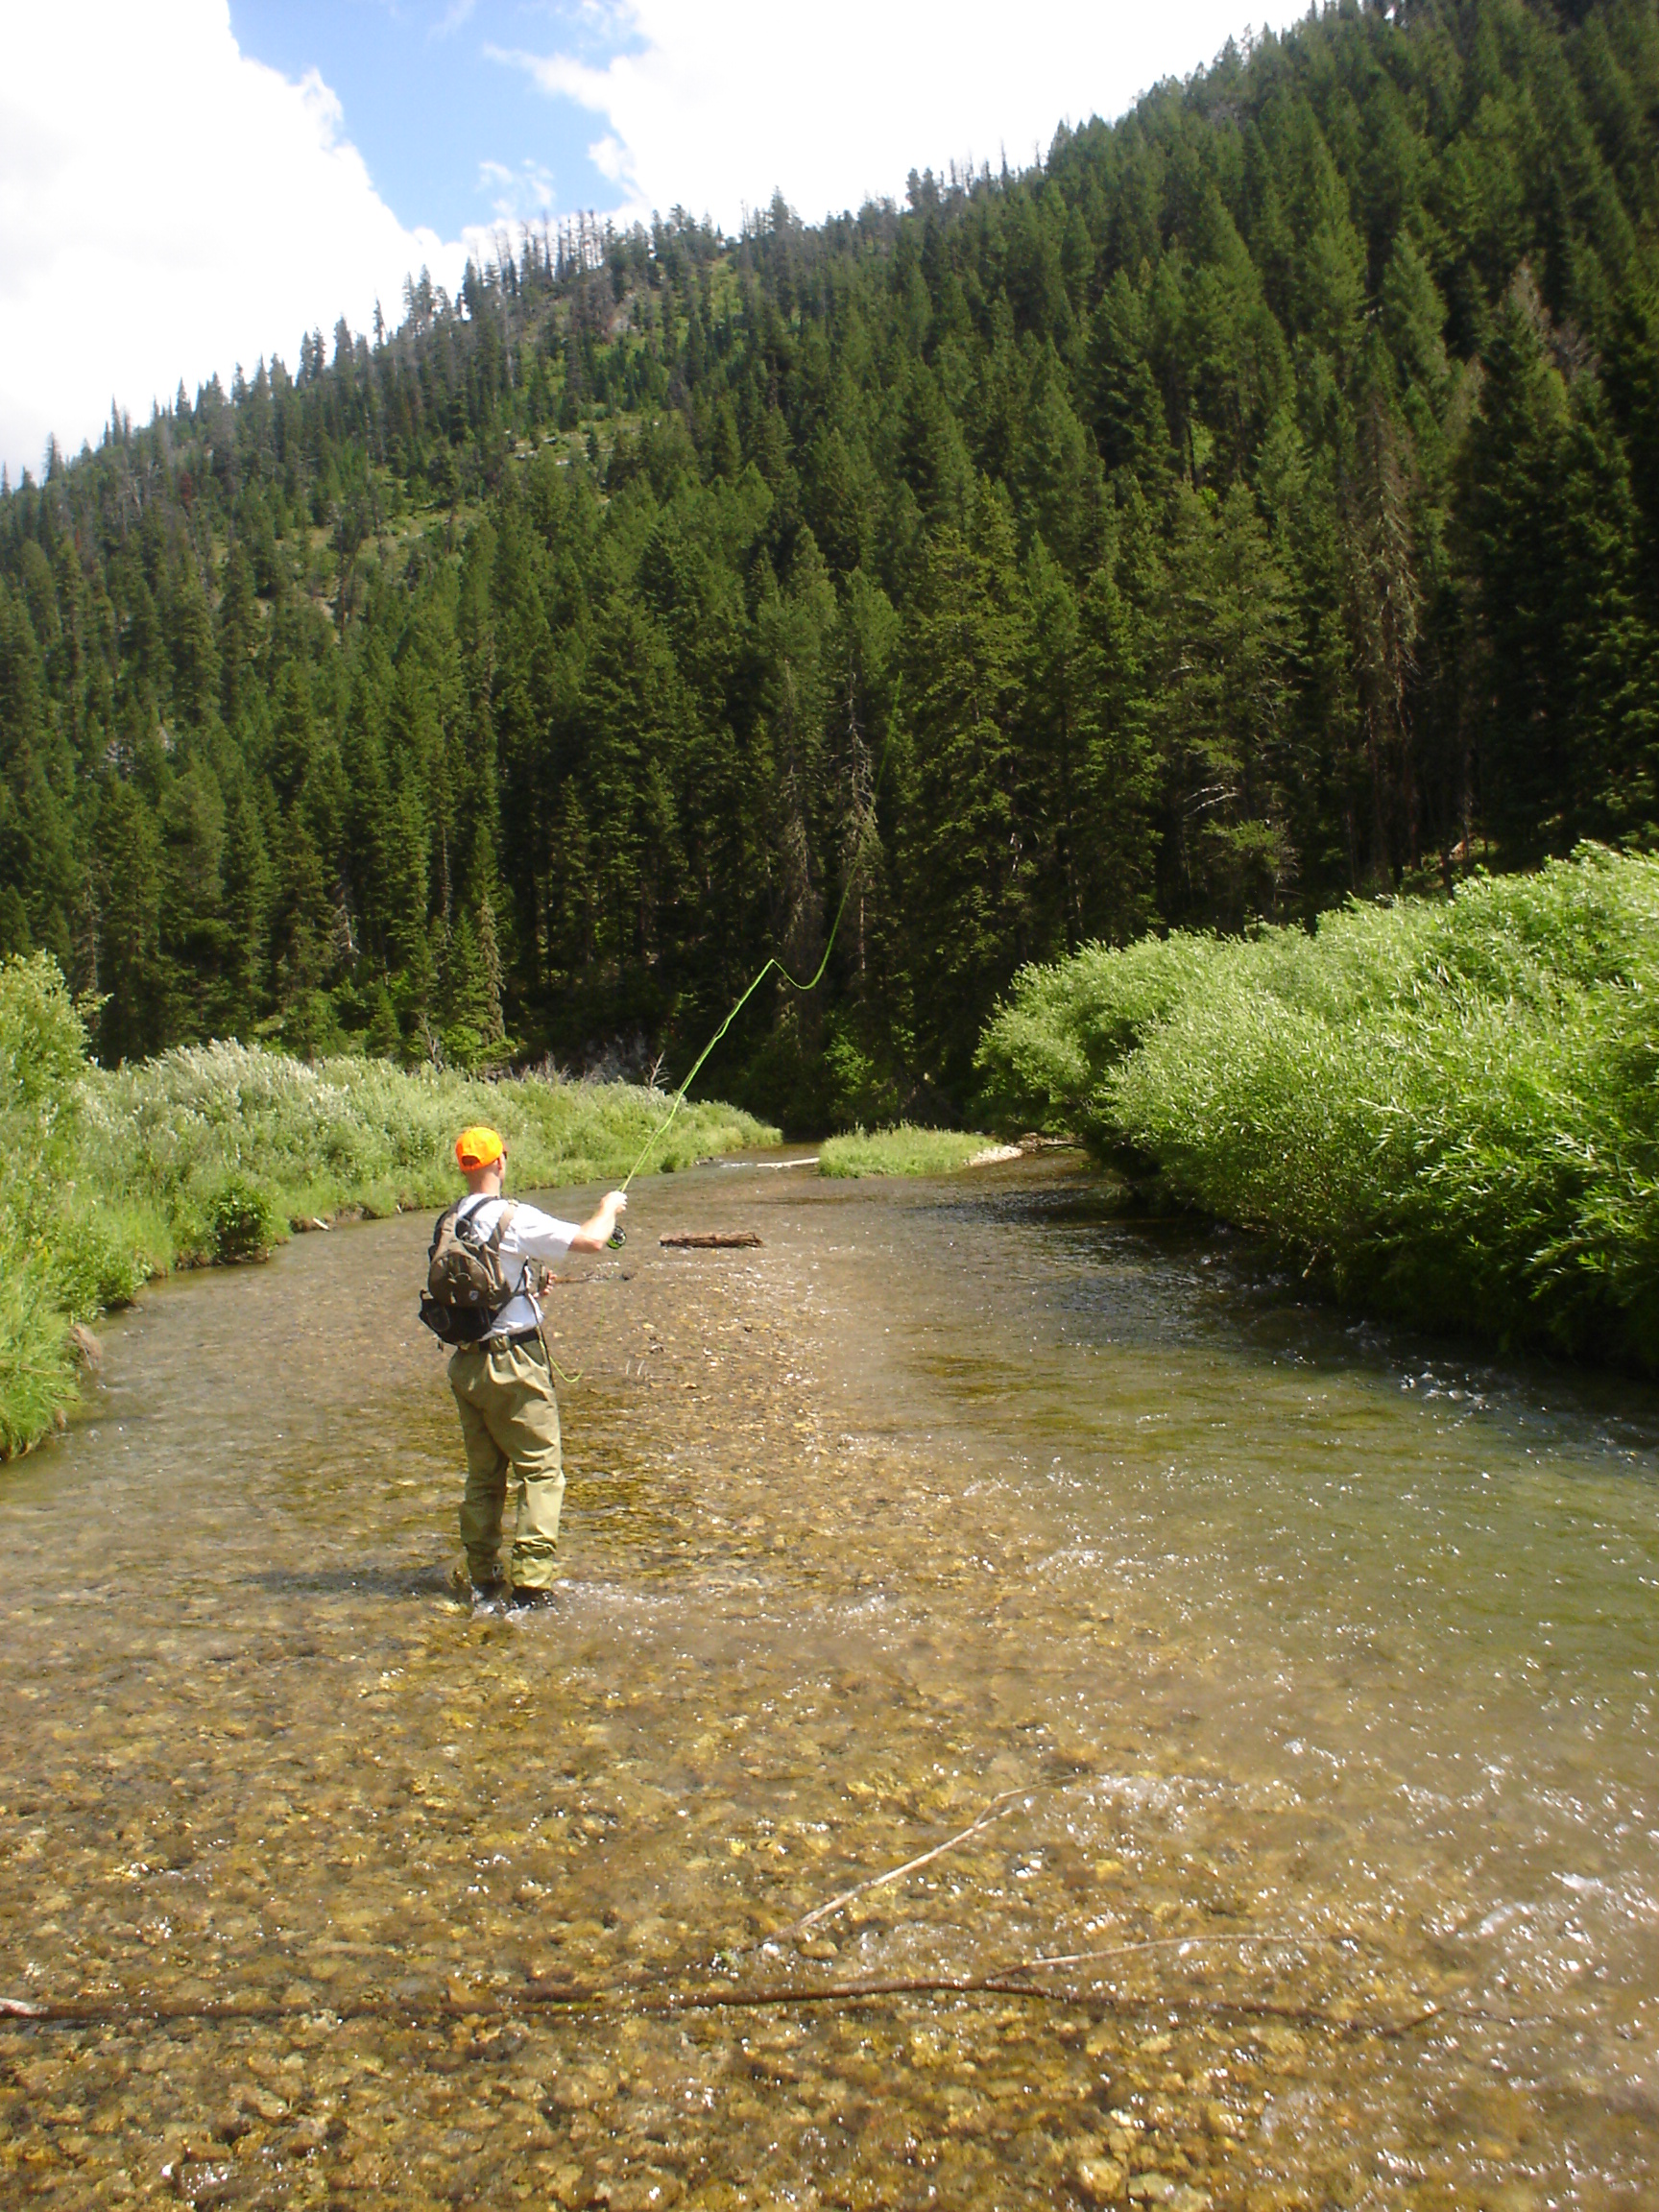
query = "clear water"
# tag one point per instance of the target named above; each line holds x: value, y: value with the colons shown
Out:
x: 1305, y: 1676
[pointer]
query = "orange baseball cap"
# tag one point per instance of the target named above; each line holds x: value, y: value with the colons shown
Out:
x: 479, y: 1148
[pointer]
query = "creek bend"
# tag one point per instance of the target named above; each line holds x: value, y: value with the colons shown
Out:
x: 1307, y: 1678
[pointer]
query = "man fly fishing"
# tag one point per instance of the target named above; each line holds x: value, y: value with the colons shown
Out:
x: 482, y: 1280
x: 483, y: 1277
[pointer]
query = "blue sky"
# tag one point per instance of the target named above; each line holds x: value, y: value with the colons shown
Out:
x: 448, y: 131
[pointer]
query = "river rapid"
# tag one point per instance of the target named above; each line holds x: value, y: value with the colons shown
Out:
x: 1266, y: 1705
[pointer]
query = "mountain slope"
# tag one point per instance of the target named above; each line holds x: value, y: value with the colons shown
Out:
x: 1257, y: 503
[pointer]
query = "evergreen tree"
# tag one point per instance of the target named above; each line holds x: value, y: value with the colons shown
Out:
x: 133, y: 1018
x: 968, y: 859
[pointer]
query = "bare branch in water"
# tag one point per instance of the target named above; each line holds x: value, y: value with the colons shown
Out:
x: 992, y: 1813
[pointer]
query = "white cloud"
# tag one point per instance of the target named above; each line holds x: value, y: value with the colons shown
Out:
x: 727, y: 99
x: 523, y: 195
x: 169, y: 208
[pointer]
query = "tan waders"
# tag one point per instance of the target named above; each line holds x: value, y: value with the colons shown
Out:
x: 509, y: 1421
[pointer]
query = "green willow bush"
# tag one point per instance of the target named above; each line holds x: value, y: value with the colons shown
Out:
x: 211, y: 1152
x: 242, y: 1220
x: 42, y: 1049
x: 1447, y: 1110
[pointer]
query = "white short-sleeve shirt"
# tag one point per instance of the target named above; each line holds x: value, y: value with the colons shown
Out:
x: 530, y: 1235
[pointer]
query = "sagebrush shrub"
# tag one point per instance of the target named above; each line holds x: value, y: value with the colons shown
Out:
x: 210, y: 1151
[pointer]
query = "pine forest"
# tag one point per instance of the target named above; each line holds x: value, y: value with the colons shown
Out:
x: 1254, y: 506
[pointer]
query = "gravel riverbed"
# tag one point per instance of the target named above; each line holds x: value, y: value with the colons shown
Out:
x: 335, y: 1895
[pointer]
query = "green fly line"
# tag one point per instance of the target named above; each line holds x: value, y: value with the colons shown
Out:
x: 662, y: 1130
x: 666, y: 1124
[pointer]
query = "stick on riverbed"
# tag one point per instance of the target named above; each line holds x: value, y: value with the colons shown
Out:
x: 712, y: 1241
x: 993, y: 1812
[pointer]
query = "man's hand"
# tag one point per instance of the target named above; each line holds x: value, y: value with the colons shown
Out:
x: 594, y: 1233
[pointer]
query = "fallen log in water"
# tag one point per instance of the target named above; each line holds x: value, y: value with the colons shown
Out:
x: 712, y: 1241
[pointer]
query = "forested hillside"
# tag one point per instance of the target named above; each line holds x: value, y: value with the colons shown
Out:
x: 1257, y: 503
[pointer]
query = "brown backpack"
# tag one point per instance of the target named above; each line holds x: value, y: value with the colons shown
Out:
x: 466, y: 1289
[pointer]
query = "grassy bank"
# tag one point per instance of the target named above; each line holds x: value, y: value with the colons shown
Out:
x: 210, y: 1153
x: 901, y: 1151
x: 1447, y: 1110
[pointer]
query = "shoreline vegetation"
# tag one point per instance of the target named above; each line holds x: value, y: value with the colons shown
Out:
x: 212, y: 1153
x: 1444, y: 1112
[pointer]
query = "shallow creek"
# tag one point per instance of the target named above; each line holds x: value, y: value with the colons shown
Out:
x: 1282, y: 1692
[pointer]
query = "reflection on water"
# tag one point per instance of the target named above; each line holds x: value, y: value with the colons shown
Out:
x: 1280, y: 1692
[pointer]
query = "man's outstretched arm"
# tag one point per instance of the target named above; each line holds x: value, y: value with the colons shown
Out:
x: 594, y: 1233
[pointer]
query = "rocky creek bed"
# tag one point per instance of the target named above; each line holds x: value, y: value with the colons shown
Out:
x: 334, y: 1895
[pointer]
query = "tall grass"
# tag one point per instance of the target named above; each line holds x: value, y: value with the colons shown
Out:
x: 1449, y: 1111
x: 213, y: 1152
